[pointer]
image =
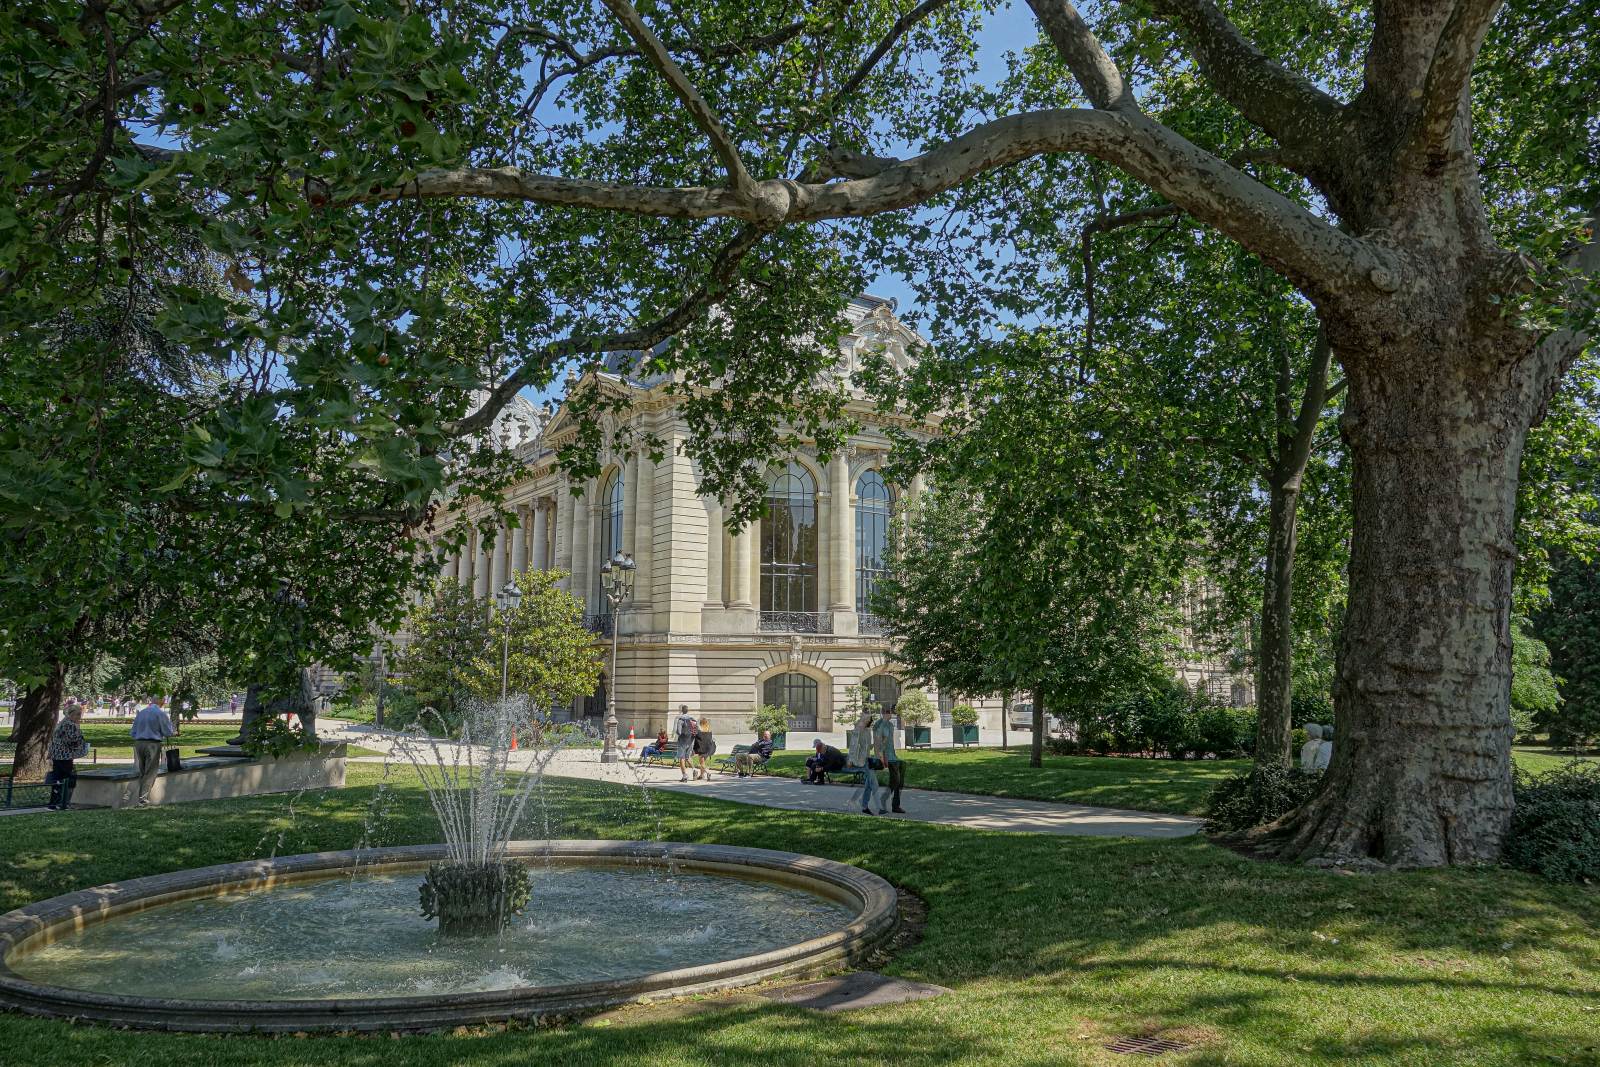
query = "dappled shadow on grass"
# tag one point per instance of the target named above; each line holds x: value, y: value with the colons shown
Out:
x: 1037, y: 935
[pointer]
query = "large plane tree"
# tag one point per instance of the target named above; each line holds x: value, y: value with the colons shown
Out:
x: 602, y: 174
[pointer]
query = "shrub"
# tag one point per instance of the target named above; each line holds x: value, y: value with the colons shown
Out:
x: 914, y: 708
x: 1168, y: 725
x: 964, y: 715
x: 1221, y: 731
x: 1257, y: 796
x: 772, y: 717
x: 1310, y: 706
x: 1555, y: 829
x: 1061, y: 746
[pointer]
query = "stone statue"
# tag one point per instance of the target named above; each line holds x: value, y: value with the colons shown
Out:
x: 304, y: 703
x: 1318, y: 749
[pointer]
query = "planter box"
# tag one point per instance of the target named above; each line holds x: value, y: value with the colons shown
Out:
x: 780, y: 741
x: 964, y: 735
x: 919, y: 736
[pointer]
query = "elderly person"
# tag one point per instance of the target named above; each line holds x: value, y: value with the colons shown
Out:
x: 67, y: 745
x: 151, y: 728
x: 824, y: 760
x: 758, y: 753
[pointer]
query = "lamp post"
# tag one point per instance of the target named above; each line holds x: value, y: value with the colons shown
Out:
x: 506, y: 600
x: 616, y: 582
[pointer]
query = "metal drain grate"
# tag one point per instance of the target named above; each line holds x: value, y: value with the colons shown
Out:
x: 1147, y: 1046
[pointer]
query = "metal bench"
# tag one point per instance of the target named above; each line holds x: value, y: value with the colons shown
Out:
x: 729, y: 764
x: 668, y: 755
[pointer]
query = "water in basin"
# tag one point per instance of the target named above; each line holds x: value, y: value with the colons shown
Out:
x: 349, y: 937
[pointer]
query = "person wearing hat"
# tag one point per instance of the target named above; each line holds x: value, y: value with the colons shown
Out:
x: 825, y: 760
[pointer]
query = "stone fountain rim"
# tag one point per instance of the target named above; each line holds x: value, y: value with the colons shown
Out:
x: 876, y: 919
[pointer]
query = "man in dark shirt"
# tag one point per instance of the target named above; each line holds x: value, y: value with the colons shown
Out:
x: 758, y: 753
x: 826, y: 759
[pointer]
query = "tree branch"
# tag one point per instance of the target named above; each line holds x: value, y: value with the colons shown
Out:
x: 711, y: 290
x: 1312, y: 253
x: 1101, y: 225
x: 1282, y: 103
x: 655, y: 53
x: 1449, y: 74
x: 1555, y: 353
x: 1085, y: 57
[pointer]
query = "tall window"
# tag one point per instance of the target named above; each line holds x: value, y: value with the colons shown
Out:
x: 610, y: 537
x: 789, y: 542
x: 885, y: 689
x: 872, y: 536
x: 796, y: 692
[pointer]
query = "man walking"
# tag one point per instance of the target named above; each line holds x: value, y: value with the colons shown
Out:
x: 151, y: 728
x: 883, y: 732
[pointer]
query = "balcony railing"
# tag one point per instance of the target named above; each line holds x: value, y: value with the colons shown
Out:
x: 599, y: 624
x: 868, y: 623
x: 797, y: 622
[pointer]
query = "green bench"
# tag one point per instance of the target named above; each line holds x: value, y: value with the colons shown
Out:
x: 729, y: 764
x: 668, y: 755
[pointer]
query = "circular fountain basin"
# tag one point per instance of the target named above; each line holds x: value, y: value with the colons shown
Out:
x: 333, y: 941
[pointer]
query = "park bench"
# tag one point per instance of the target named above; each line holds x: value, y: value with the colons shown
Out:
x: 668, y: 755
x: 729, y: 764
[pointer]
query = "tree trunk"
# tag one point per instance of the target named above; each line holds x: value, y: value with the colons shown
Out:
x: 1036, y: 756
x: 34, y: 723
x: 1421, y: 769
x: 1274, y: 664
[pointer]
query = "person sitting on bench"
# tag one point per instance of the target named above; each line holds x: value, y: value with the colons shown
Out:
x: 757, y: 754
x: 828, y: 760
x: 654, y: 748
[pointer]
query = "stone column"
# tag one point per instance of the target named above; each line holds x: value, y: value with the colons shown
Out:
x: 541, y: 534
x: 563, y: 538
x: 480, y: 566
x: 497, y: 559
x: 714, y: 537
x: 841, y: 537
x: 644, y: 529
x: 519, y: 541
x: 739, y: 594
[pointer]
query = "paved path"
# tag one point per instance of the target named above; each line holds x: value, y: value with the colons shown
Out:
x: 922, y: 805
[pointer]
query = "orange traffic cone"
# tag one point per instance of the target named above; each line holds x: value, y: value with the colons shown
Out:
x: 513, y: 739
x: 630, y: 737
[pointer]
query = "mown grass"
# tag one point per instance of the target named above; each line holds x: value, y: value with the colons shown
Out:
x: 1051, y: 946
x: 1177, y: 787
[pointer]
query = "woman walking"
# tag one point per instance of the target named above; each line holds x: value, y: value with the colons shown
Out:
x: 861, y: 761
x: 705, y: 746
x: 67, y: 745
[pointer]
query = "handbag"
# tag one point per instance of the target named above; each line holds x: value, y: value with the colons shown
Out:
x: 874, y: 763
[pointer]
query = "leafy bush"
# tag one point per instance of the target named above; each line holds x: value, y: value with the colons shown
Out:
x: 271, y: 735
x: 964, y: 715
x: 1555, y: 829
x: 1257, y: 796
x: 915, y: 708
x: 1222, y: 731
x: 1310, y: 706
x: 772, y: 717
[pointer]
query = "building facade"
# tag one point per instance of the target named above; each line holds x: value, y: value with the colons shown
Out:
x: 719, y: 621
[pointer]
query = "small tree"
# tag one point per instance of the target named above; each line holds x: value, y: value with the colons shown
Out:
x: 774, y: 717
x: 552, y: 658
x: 964, y: 715
x: 914, y: 708
x: 449, y: 631
x: 1534, y: 695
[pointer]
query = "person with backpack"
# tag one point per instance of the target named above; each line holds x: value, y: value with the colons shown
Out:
x: 686, y: 731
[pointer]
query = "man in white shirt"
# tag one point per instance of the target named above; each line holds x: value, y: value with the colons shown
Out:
x: 151, y: 728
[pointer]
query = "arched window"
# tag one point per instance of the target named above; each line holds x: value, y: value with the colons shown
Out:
x: 610, y: 537
x: 796, y: 692
x: 885, y: 689
x: 789, y: 543
x: 872, y: 536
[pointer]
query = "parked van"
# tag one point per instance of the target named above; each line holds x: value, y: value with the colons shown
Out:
x: 1022, y: 718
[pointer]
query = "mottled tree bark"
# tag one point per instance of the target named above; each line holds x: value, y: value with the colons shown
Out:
x: 34, y: 723
x: 1420, y: 775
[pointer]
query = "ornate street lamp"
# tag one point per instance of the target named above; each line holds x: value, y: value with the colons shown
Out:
x: 616, y: 582
x: 506, y: 600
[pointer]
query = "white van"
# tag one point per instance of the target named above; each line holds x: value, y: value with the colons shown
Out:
x: 1022, y: 718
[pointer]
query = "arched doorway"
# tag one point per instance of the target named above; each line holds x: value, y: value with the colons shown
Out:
x: 797, y: 693
x: 885, y: 689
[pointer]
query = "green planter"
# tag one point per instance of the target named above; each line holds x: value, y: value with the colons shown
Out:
x: 964, y: 735
x: 780, y: 741
x: 919, y: 736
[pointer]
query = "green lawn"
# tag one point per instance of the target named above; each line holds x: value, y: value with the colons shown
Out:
x: 1178, y: 787
x: 1051, y: 945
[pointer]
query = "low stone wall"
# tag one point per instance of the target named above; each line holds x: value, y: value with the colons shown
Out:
x: 875, y: 901
x: 215, y: 777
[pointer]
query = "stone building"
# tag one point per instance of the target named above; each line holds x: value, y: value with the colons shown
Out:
x: 719, y: 621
